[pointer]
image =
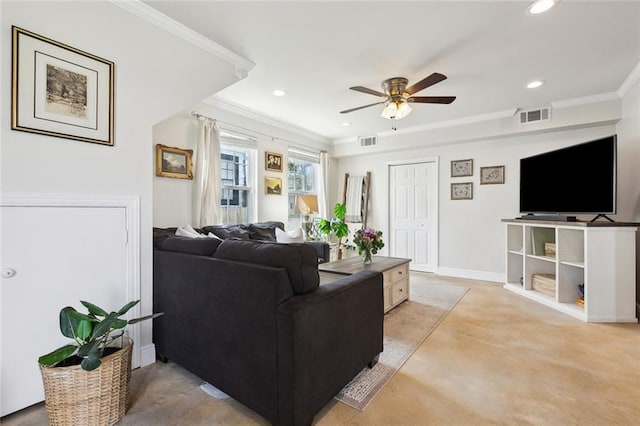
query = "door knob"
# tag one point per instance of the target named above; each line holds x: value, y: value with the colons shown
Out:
x: 8, y: 272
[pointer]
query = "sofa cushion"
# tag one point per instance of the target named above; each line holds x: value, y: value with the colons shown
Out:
x: 265, y: 231
x: 228, y: 231
x: 159, y: 234
x: 200, y: 246
x: 299, y: 260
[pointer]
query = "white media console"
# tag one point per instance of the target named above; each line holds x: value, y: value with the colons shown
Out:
x: 599, y: 255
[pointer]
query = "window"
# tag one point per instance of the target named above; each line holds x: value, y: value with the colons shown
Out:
x: 237, y: 183
x: 303, y: 171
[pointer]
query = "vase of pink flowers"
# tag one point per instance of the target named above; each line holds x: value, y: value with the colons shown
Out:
x: 367, y: 242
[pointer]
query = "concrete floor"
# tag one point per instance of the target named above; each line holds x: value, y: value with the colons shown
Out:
x: 496, y: 359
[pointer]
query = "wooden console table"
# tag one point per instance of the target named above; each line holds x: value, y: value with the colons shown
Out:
x: 395, y: 273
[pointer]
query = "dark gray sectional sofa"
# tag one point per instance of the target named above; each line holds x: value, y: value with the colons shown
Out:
x: 251, y: 318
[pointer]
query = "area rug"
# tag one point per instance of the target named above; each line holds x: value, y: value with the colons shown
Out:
x: 405, y: 328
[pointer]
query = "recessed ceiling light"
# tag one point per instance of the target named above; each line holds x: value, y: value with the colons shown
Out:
x: 540, y: 6
x: 346, y: 124
x: 534, y: 84
x: 279, y: 92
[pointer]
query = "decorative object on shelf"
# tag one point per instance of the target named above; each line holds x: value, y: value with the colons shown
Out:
x: 61, y: 91
x: 87, y: 381
x: 550, y: 249
x: 544, y: 283
x: 461, y: 168
x: 491, y: 175
x: 335, y: 227
x: 273, y: 161
x: 174, y: 162
x: 272, y: 186
x: 462, y: 191
x: 367, y: 242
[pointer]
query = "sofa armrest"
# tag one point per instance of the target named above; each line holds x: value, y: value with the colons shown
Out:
x: 323, y: 249
x: 324, y: 339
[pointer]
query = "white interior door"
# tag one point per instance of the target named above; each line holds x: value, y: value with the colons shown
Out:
x: 413, y: 214
x: 53, y: 257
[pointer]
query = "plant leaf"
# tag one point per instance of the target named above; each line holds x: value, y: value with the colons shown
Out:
x: 94, y: 309
x: 81, y: 317
x: 119, y: 323
x: 88, y: 348
x: 340, y: 210
x: 91, y: 362
x: 84, y: 329
x: 104, y: 326
x: 68, y: 324
x: 58, y: 355
x: 135, y: 320
x: 128, y: 306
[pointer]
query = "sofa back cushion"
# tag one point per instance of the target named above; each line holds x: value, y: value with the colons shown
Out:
x: 201, y: 246
x: 265, y: 231
x: 228, y: 231
x: 299, y: 260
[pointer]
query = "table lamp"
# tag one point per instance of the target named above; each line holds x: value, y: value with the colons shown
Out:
x: 306, y: 206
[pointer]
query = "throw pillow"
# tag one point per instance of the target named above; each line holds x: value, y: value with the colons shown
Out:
x: 294, y: 236
x: 187, y: 231
x: 198, y: 246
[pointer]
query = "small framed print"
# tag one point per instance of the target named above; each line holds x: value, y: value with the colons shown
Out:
x: 462, y: 191
x: 58, y: 90
x: 461, y: 168
x: 491, y: 175
x: 273, y: 161
x: 273, y: 186
x: 174, y: 162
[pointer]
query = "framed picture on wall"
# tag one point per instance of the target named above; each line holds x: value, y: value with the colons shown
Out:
x: 272, y: 185
x: 491, y: 175
x: 174, y: 162
x: 273, y: 162
x: 461, y: 168
x: 58, y: 90
x: 462, y: 191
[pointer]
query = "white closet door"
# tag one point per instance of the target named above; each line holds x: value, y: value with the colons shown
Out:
x: 413, y: 207
x: 58, y: 256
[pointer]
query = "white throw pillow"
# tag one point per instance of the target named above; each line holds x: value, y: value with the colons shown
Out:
x: 188, y: 231
x: 294, y: 236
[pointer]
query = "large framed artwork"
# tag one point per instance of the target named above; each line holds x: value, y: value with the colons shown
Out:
x: 58, y: 90
x: 174, y: 162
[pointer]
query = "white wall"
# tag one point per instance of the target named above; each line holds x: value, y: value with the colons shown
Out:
x: 172, y: 197
x: 471, y: 235
x: 156, y: 74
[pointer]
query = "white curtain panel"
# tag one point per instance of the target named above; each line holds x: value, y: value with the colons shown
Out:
x: 322, y: 189
x: 207, y: 182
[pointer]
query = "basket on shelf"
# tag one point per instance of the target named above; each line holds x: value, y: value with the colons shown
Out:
x: 544, y: 283
x: 74, y: 396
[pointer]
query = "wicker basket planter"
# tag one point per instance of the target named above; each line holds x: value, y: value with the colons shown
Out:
x: 74, y: 396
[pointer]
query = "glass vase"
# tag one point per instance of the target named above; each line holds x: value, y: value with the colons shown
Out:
x: 366, y: 257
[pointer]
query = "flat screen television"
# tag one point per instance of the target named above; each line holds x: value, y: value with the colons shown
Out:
x: 579, y: 179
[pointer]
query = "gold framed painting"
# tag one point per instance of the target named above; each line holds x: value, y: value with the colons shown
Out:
x: 461, y: 168
x: 272, y: 186
x: 58, y: 90
x: 174, y: 162
x: 491, y: 175
x: 462, y: 191
x: 273, y: 162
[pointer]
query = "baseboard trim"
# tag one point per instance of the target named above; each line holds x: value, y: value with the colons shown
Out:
x: 471, y: 274
x: 147, y: 355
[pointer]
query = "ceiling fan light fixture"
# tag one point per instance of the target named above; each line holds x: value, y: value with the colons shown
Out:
x: 390, y: 110
x: 404, y: 109
x: 396, y: 110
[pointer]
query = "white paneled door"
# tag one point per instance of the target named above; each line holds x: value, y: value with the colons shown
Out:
x: 413, y: 205
x: 53, y: 257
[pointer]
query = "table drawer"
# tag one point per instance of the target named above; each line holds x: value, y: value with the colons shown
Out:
x: 398, y: 273
x: 400, y: 291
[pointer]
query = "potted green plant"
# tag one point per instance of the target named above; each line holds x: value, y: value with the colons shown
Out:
x: 336, y: 226
x: 87, y: 380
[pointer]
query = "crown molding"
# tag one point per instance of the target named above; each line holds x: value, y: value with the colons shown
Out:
x: 238, y: 109
x: 136, y: 7
x: 631, y: 79
x: 584, y: 100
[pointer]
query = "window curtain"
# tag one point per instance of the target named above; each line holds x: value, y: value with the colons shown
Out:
x: 323, y: 184
x: 207, y: 180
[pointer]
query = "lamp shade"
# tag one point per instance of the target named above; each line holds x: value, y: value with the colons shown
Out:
x: 396, y: 110
x: 307, y: 204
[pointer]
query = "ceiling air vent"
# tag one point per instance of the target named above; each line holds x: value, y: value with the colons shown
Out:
x: 535, y: 115
x: 368, y: 140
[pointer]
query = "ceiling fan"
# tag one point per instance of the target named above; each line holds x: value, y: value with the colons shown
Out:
x: 398, y: 96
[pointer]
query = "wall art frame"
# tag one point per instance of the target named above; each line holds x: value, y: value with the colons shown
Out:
x: 462, y: 191
x: 272, y: 185
x: 58, y: 90
x: 461, y: 168
x: 172, y: 162
x: 273, y: 161
x: 491, y: 175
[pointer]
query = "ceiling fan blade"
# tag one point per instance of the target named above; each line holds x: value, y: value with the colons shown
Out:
x: 368, y: 91
x: 432, y: 99
x: 426, y: 82
x: 360, y: 107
